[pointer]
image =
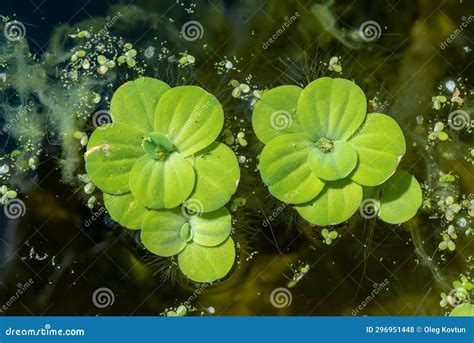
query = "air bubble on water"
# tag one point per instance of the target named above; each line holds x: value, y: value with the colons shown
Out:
x: 462, y: 222
x: 251, y: 255
x: 149, y: 52
x: 4, y: 169
x: 450, y: 85
x: 242, y: 159
x: 211, y: 310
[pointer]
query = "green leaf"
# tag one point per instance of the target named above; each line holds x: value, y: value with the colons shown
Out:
x: 191, y: 117
x: 325, y: 233
x: 110, y: 156
x: 217, y: 176
x: 275, y: 114
x: 338, y: 201
x: 162, y: 184
x: 211, y: 229
x: 284, y: 169
x: 207, y: 264
x: 401, y: 198
x: 331, y: 108
x: 134, y: 102
x: 335, y: 164
x: 463, y: 310
x: 162, y: 230
x: 125, y: 210
x: 380, y: 145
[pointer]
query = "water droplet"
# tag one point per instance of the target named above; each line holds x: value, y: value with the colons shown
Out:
x: 4, y: 169
x: 462, y: 222
x: 450, y: 85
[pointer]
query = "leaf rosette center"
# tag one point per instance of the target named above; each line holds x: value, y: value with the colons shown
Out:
x: 157, y: 146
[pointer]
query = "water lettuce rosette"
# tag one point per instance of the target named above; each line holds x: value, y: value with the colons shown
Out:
x: 162, y: 171
x: 323, y: 152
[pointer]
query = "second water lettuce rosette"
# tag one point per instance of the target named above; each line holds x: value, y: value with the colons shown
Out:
x: 161, y: 171
x: 322, y: 150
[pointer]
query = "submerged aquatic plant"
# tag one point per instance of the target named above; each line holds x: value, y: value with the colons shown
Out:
x: 161, y: 171
x: 322, y: 148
